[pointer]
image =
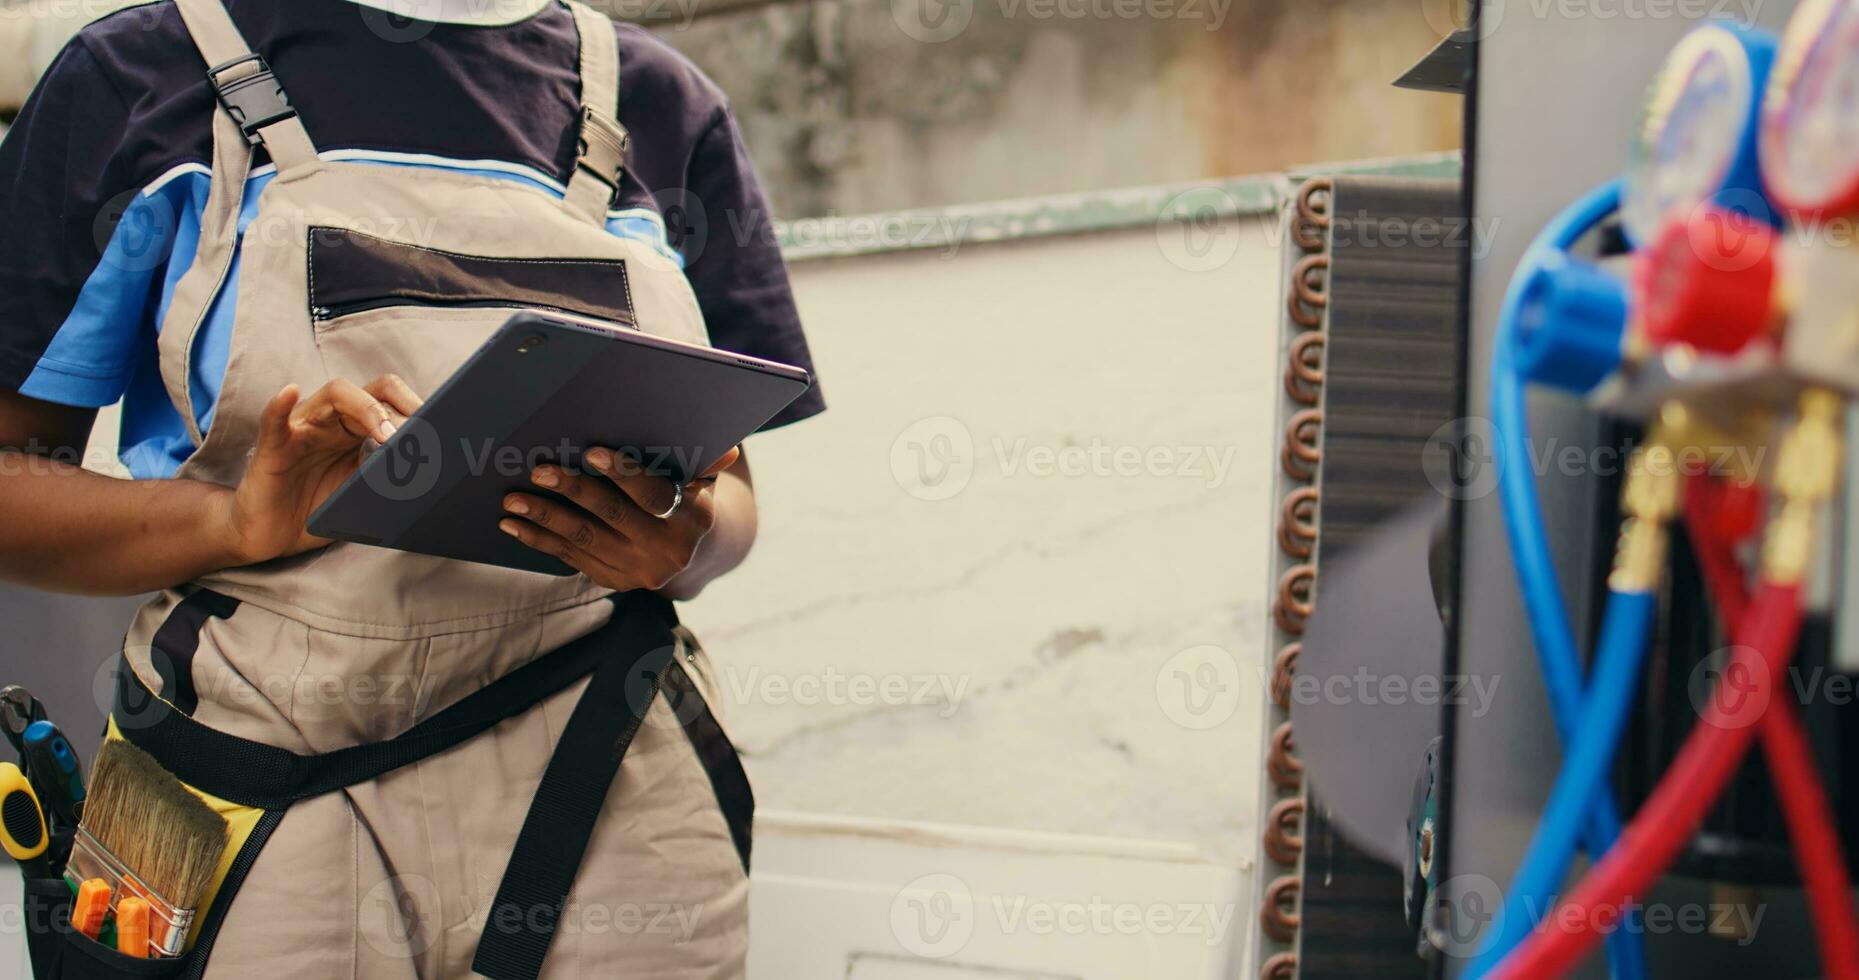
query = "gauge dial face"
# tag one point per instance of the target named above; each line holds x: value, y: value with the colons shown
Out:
x: 1810, y: 113
x: 1692, y: 128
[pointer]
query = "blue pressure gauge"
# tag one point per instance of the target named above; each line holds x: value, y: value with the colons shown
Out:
x: 1810, y: 112
x: 1696, y: 139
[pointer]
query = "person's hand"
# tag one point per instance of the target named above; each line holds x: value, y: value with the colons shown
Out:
x: 611, y: 531
x: 306, y: 448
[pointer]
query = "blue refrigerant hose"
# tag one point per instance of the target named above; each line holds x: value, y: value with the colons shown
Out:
x: 1582, y: 782
x: 1580, y: 807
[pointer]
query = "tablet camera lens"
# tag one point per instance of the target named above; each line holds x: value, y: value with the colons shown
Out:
x: 531, y: 341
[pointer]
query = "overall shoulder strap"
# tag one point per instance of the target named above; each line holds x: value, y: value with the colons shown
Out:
x: 249, y: 95
x: 602, y: 143
x: 252, y: 111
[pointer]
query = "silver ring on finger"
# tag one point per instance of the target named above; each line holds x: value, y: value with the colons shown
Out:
x: 677, y: 500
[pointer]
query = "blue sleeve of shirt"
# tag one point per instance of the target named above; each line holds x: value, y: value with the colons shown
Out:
x: 80, y: 252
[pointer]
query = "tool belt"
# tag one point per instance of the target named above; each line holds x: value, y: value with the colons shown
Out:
x: 632, y: 660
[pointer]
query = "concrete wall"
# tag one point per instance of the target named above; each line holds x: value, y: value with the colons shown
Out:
x: 854, y: 106
x: 1033, y: 621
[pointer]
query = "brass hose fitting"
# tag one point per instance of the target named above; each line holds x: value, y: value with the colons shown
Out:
x: 1650, y: 500
x: 1807, y: 472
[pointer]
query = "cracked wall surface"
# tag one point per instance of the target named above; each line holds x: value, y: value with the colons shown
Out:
x: 1029, y: 620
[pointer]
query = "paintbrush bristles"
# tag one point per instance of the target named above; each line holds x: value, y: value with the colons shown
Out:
x: 169, y: 837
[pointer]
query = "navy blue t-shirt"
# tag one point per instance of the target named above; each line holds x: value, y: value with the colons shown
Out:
x: 104, y: 174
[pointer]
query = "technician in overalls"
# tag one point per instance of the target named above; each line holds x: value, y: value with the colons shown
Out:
x: 167, y: 198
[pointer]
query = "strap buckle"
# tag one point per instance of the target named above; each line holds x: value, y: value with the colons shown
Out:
x: 254, y: 100
x: 602, y: 146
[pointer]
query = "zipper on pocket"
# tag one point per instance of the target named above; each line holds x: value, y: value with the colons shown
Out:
x: 353, y: 272
x: 338, y: 310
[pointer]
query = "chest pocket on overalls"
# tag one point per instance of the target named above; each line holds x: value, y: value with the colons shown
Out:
x: 377, y: 305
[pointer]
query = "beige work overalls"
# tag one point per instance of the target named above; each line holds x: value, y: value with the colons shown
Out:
x: 401, y: 874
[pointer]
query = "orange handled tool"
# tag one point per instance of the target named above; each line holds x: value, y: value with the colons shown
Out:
x: 93, y: 905
x: 132, y: 928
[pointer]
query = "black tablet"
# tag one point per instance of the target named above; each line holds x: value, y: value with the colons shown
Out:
x: 546, y: 389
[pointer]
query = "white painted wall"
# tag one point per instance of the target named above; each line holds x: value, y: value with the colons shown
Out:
x: 1058, y: 607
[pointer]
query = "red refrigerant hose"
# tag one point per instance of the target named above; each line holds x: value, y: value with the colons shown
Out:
x: 1816, y: 838
x: 1665, y: 822
x: 1807, y: 473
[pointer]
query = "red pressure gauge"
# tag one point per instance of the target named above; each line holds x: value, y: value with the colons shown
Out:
x: 1708, y: 280
x: 1810, y: 113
